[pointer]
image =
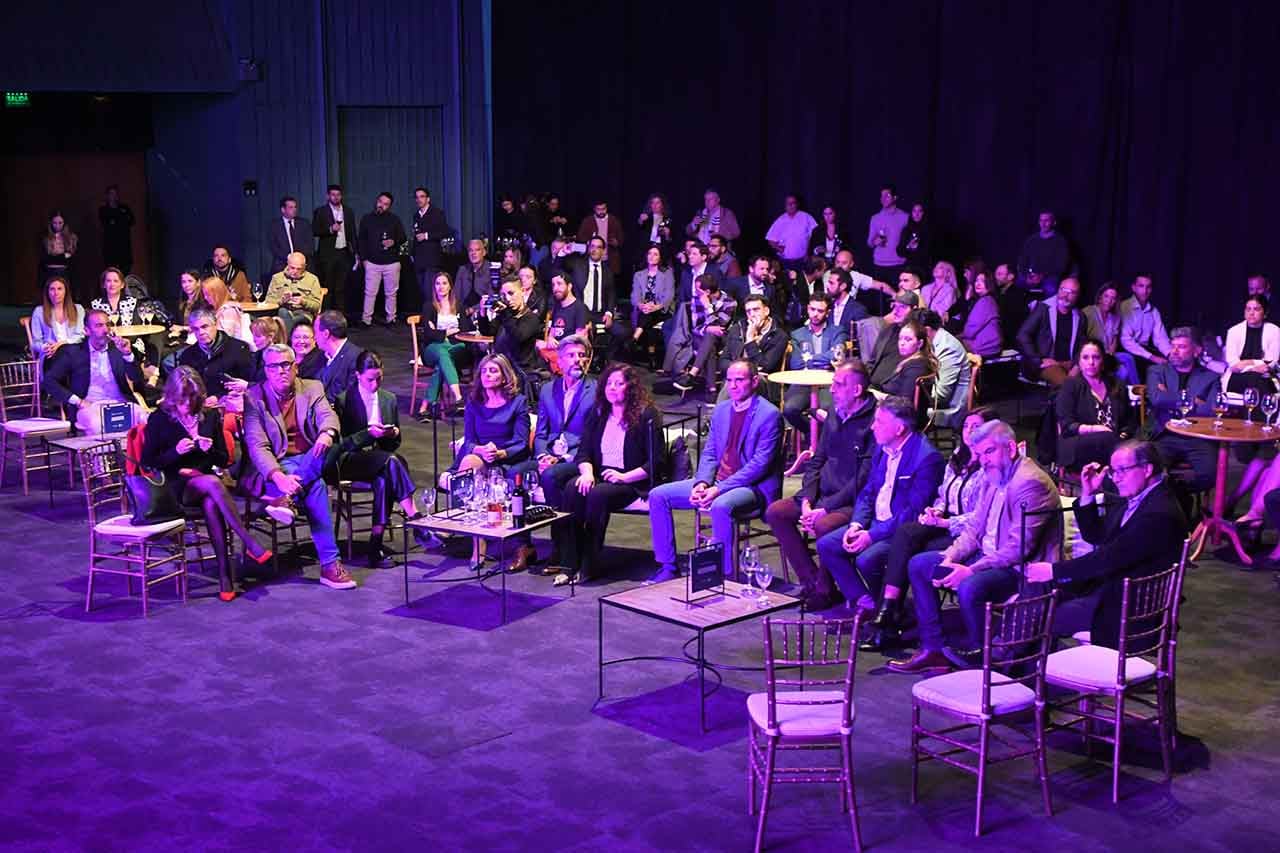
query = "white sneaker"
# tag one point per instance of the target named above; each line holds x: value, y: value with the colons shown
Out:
x: 281, y: 514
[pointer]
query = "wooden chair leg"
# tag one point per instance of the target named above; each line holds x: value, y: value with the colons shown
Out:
x: 768, y: 789
x: 846, y: 753
x: 1117, y: 749
x: 983, y: 739
x: 915, y: 753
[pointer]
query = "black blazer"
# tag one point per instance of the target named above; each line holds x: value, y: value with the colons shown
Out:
x: 902, y: 383
x: 1075, y: 407
x: 67, y: 373
x: 766, y: 354
x: 228, y: 358
x: 360, y: 456
x: 579, y: 270
x: 312, y: 364
x: 1150, y: 543
x: 279, y: 241
x: 644, y: 447
x: 160, y: 447
x: 322, y: 221
x: 429, y: 334
x: 338, y: 374
x: 818, y: 242
x: 426, y: 253
x: 1035, y: 337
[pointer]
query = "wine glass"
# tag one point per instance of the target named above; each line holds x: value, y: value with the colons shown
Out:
x: 1270, y: 405
x: 1185, y: 406
x: 426, y: 500
x: 256, y: 288
x: 749, y: 563
x: 764, y: 577
x: 500, y: 493
x: 1250, y: 402
x: 146, y: 314
x: 806, y: 353
x: 1220, y: 408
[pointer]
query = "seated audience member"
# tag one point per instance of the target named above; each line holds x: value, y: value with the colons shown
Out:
x: 905, y: 473
x: 593, y: 284
x: 697, y: 265
x: 845, y: 308
x: 442, y: 320
x: 563, y: 407
x: 57, y: 321
x: 653, y: 293
x: 495, y: 427
x: 755, y: 338
x: 739, y: 473
x: 340, y: 353
x: 758, y: 280
x: 983, y: 563
x: 230, y: 272
x: 120, y: 307
x: 473, y: 281
x: 295, y: 290
x: 289, y: 428
x: 232, y: 319
x: 266, y: 331
x: 567, y: 317
x: 810, y: 279
x: 1103, y: 317
x: 884, y: 351
x: 1051, y: 337
x: 1045, y: 259
x: 534, y: 296
x: 185, y: 442
x: 721, y: 257
x: 915, y: 360
x: 943, y: 292
x: 1252, y: 346
x: 982, y: 333
x: 936, y: 528
x: 713, y: 219
x: 370, y: 424
x: 518, y: 329
x: 832, y: 479
x: 1014, y: 305
x: 88, y: 374
x: 711, y: 313
x: 191, y: 297
x: 1093, y: 411
x: 1166, y: 384
x: 303, y: 341
x: 554, y: 261
x: 1140, y: 534
x: 226, y: 366
x: 1143, y: 338
x: 951, y: 388
x: 813, y: 347
x: 620, y: 457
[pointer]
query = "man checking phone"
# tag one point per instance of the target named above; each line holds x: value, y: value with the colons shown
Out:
x: 296, y: 291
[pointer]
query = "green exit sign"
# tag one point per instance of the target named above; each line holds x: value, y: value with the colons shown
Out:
x: 17, y: 99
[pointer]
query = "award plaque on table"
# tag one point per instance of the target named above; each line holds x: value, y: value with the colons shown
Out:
x: 116, y: 418
x: 706, y: 573
x: 468, y: 477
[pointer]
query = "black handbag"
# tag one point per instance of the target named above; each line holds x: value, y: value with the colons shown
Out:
x: 149, y: 498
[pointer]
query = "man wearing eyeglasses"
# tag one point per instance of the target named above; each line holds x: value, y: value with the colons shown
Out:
x: 289, y: 427
x: 1136, y: 534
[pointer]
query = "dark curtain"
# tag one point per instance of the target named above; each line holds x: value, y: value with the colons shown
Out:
x: 1149, y: 127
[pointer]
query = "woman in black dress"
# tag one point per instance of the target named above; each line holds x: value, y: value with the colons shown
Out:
x: 1093, y: 409
x: 622, y: 454
x: 370, y: 419
x: 185, y: 441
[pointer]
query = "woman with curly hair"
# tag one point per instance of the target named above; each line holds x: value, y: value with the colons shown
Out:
x: 621, y: 455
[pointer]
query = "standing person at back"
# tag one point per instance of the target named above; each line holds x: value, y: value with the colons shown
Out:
x: 883, y: 234
x: 789, y: 233
x: 1045, y: 259
x: 334, y: 226
x: 381, y: 233
x: 288, y: 233
x: 429, y: 227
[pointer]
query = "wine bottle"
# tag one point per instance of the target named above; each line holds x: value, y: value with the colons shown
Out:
x: 519, y: 498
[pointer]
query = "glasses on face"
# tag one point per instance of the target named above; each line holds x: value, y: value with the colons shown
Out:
x: 279, y: 366
x: 1121, y: 470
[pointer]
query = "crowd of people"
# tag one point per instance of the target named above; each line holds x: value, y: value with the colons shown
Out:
x: 286, y: 402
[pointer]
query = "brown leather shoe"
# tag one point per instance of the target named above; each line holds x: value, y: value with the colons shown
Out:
x: 924, y: 661
x: 524, y: 555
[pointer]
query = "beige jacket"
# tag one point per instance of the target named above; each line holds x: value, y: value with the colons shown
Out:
x: 1029, y: 485
x: 265, y: 438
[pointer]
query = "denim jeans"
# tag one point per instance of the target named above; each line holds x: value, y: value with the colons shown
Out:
x: 975, y: 591
x: 314, y: 498
x: 735, y: 503
x: 855, y: 574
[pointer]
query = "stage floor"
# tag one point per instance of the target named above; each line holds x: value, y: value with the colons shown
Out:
x: 302, y: 718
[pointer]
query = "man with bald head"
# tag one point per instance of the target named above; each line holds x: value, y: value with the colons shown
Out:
x: 295, y: 290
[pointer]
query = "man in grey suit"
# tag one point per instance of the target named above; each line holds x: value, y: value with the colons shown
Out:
x: 985, y: 562
x: 740, y: 471
x: 289, y: 427
x: 288, y: 234
x: 951, y: 390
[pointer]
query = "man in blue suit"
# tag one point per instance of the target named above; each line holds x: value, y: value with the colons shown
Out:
x: 340, y: 353
x: 906, y: 472
x: 1165, y: 384
x: 740, y: 471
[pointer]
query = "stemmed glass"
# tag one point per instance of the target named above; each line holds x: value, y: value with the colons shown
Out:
x: 146, y: 314
x: 1250, y: 402
x: 750, y: 563
x: 806, y: 353
x: 1220, y: 408
x: 1185, y: 405
x: 764, y: 577
x: 257, y: 291
x: 426, y: 500
x: 1270, y: 405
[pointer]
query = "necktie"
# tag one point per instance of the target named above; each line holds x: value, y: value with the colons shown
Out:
x: 595, y: 287
x: 288, y: 232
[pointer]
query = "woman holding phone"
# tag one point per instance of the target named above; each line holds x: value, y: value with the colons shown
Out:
x: 185, y: 441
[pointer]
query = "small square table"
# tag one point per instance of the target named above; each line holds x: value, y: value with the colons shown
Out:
x: 72, y: 445
x: 450, y: 521
x: 665, y: 602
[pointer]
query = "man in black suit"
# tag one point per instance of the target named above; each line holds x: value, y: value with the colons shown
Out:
x: 340, y: 354
x: 593, y: 283
x: 1136, y: 535
x: 428, y: 228
x: 334, y: 227
x: 755, y: 282
x: 100, y: 369
x: 223, y: 362
x: 288, y: 234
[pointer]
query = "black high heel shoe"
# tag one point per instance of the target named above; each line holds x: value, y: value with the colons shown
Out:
x: 886, y: 628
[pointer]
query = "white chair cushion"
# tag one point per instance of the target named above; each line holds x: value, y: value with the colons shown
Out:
x: 122, y: 527
x: 961, y: 692
x: 36, y: 426
x: 1083, y: 637
x: 637, y: 505
x: 1094, y: 668
x: 800, y: 720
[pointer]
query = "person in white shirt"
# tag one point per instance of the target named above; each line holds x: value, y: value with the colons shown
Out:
x: 789, y: 233
x: 1143, y: 337
x: 100, y: 369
